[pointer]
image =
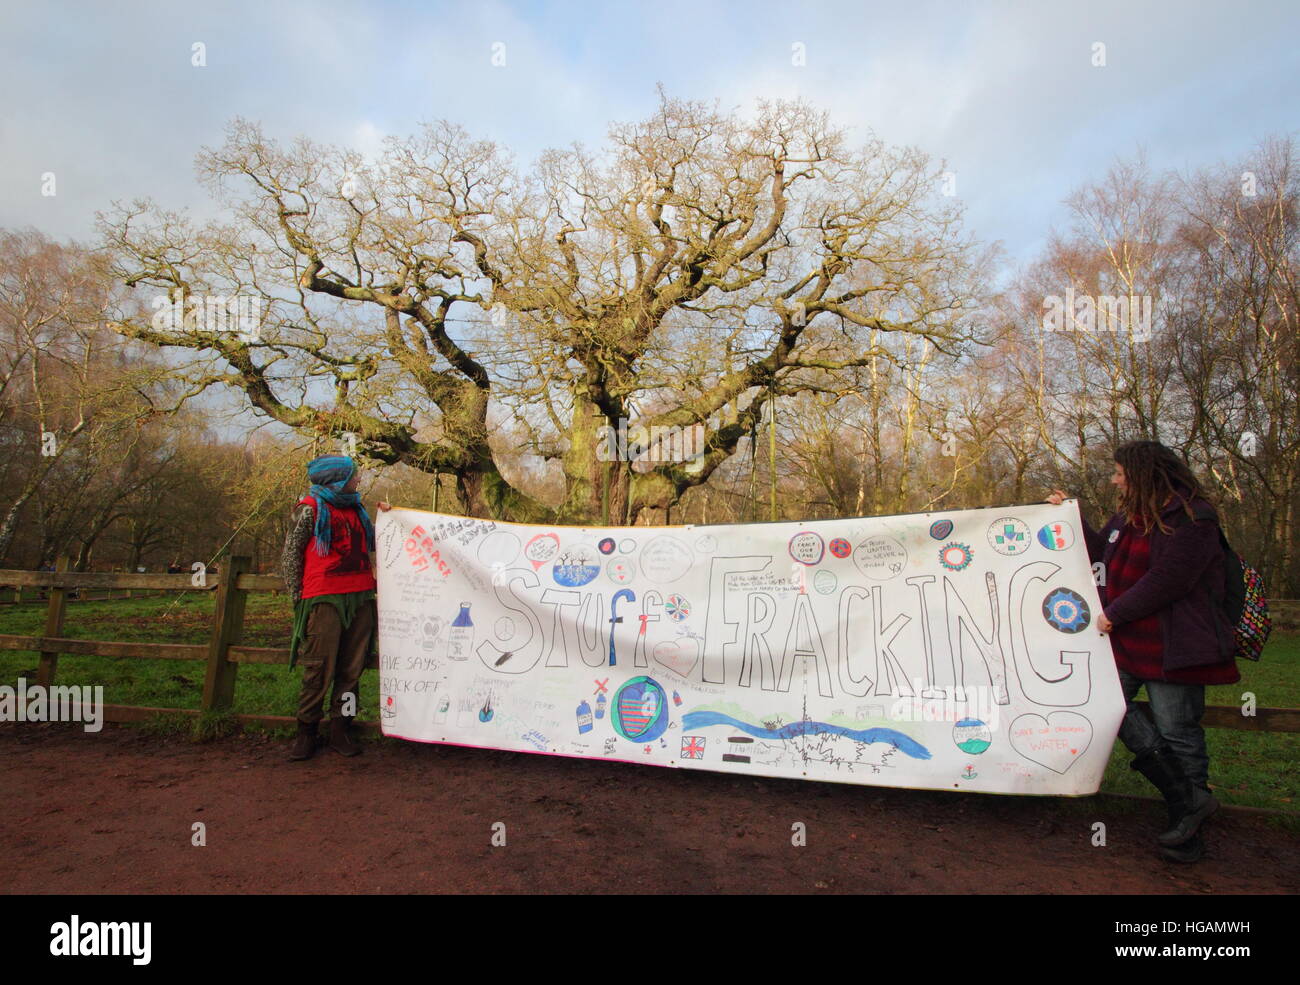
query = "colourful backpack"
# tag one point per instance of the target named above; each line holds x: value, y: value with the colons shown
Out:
x: 1244, y: 603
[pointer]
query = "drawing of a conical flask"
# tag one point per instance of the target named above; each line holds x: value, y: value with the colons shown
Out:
x: 584, y: 718
x: 460, y: 638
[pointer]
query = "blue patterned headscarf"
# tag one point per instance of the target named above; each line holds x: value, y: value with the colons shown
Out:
x: 329, y: 474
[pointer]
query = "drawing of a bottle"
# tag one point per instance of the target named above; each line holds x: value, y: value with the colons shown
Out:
x: 461, y: 636
x: 444, y: 706
x: 584, y: 718
x: 600, y: 706
x: 677, y: 699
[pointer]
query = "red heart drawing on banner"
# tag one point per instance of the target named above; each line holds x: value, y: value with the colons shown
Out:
x: 679, y: 656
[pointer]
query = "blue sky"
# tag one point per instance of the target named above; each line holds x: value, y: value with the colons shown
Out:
x: 104, y: 95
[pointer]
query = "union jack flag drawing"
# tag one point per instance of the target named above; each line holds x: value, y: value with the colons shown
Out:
x: 692, y: 747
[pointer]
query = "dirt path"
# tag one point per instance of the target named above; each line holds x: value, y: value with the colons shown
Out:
x: 113, y: 813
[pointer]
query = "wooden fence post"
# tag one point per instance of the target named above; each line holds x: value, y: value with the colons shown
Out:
x: 53, y: 627
x: 227, y: 631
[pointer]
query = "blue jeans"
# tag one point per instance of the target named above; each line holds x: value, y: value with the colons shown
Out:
x: 1177, y: 710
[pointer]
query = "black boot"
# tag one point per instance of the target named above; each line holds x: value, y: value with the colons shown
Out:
x: 1189, y: 851
x: 1189, y: 805
x: 304, y: 743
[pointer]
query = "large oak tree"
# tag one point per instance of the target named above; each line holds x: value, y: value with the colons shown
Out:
x: 452, y: 310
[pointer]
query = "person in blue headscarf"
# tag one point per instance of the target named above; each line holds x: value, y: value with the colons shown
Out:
x: 327, y: 568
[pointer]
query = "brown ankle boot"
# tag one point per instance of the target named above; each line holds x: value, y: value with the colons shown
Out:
x: 304, y: 743
x: 341, y: 739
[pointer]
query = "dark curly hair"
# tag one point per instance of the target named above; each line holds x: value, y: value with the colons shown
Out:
x: 1152, y: 474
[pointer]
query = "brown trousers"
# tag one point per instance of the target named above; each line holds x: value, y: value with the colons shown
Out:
x: 331, y: 653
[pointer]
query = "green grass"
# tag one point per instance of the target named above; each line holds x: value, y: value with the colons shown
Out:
x: 1254, y: 769
x: 1257, y: 769
x: 260, y: 689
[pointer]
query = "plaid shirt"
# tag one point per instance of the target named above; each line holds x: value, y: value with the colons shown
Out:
x: 1139, y: 645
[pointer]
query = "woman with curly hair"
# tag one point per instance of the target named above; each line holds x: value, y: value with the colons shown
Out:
x: 1163, y: 608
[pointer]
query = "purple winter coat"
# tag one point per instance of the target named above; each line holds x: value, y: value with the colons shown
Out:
x: 1184, y: 585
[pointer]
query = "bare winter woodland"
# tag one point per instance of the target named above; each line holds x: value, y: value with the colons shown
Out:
x: 473, y: 326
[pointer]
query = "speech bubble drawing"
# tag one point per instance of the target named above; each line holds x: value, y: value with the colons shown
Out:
x: 541, y: 549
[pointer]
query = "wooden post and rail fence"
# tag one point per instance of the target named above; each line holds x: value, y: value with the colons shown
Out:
x: 224, y: 651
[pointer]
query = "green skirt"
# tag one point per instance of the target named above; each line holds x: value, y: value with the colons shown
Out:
x: 347, y: 604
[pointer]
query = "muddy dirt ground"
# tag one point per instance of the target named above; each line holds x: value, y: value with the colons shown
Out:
x: 114, y: 813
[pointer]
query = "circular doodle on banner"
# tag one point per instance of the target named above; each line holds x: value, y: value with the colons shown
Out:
x: 677, y: 607
x: 972, y: 736
x: 955, y: 556
x: 505, y: 628
x: 541, y: 549
x: 807, y: 547
x: 620, y: 571
x: 575, y: 567
x: 880, y: 557
x: 1009, y: 536
x: 499, y: 547
x: 606, y: 545
x: 626, y: 546
x: 940, y: 529
x: 665, y: 558
x: 841, y: 547
x: 706, y: 544
x: 825, y: 581
x: 1066, y: 610
x: 640, y: 710
x: 1057, y: 536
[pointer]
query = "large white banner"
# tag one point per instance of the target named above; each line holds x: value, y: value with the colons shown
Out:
x: 953, y: 650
